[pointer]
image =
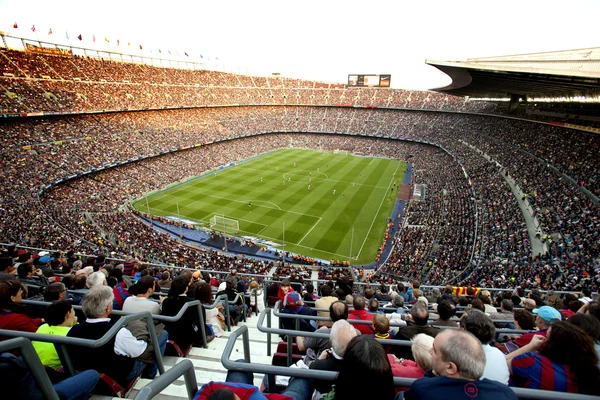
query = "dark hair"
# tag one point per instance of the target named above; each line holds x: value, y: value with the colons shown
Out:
x: 325, y: 290
x: 80, y: 281
x: 586, y: 291
x: 524, y: 318
x: 142, y: 285
x: 446, y: 309
x: 221, y: 394
x: 56, y: 312
x: 178, y: 286
x: 419, y: 313
x: 479, y: 324
x: 340, y: 294
x: 310, y: 288
x: 7, y: 289
x: 68, y: 281
x: 6, y: 262
x: 507, y: 305
x: 594, y: 309
x: 575, y: 305
x: 365, y: 360
x: 203, y: 292
x: 520, y: 292
x: 338, y: 310
x: 24, y: 269
x: 587, y: 323
x: 53, y: 291
x: 463, y: 301
x: 400, y: 287
x: 570, y: 345
x: 369, y: 293
x: 117, y: 273
x: 373, y: 304
x: 478, y: 304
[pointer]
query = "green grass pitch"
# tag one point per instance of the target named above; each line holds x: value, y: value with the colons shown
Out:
x: 346, y: 192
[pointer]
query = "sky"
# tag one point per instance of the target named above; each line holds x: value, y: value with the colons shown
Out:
x: 313, y: 39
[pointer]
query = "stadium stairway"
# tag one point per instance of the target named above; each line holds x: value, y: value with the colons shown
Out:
x: 207, y: 362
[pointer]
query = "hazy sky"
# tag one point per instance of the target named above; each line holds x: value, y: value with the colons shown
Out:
x: 323, y: 40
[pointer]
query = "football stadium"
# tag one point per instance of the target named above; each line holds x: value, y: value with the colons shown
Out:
x: 173, y: 227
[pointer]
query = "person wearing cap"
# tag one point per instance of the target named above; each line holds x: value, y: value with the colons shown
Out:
x: 293, y: 304
x: 545, y: 317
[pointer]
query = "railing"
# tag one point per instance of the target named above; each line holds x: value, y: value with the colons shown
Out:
x: 61, y: 342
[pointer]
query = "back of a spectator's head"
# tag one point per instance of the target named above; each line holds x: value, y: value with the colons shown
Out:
x: 6, y: 263
x: 55, y: 291
x: 586, y: 292
x: 479, y: 324
x: 400, y: 287
x: 95, y: 279
x: 222, y: 394
x: 369, y: 293
x: 421, y: 350
x: 529, y: 304
x: 97, y: 301
x: 520, y: 291
x: 340, y: 294
x: 416, y: 284
x: 310, y: 288
x: 417, y: 293
x: 338, y: 310
x: 485, y: 299
x: 178, y: 286
x: 446, y: 310
x: 458, y: 354
x: 419, y: 313
x: 546, y: 316
x: 398, y: 301
x: 470, y: 291
x: 507, y: 305
x: 478, y: 304
x: 383, y: 288
x: 365, y: 361
x: 56, y: 312
x: 463, y: 301
x: 516, y: 300
x: 524, y: 319
x: 349, y: 299
x: 68, y: 281
x: 373, y: 304
x: 587, y: 323
x: 358, y: 303
x: 381, y: 324
x: 593, y: 309
x: 325, y: 290
x: 342, y: 332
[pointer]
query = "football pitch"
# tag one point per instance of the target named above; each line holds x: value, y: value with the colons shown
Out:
x: 319, y: 204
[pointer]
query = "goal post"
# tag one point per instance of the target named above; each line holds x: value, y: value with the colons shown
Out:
x: 221, y: 223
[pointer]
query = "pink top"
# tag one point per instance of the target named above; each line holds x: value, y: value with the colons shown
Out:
x: 406, y: 369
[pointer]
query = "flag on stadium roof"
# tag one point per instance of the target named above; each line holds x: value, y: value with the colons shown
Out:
x: 32, y: 28
x: 94, y: 38
x: 49, y: 31
x: 118, y: 42
x: 106, y: 40
x: 140, y: 47
x: 15, y: 25
x: 201, y: 56
x: 185, y: 52
x: 80, y: 37
x: 67, y: 34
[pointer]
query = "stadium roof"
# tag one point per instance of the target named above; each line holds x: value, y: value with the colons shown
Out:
x: 567, y: 73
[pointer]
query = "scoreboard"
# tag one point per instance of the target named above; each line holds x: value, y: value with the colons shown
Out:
x: 369, y: 80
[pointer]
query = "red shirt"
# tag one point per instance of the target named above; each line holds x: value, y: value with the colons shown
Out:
x: 19, y: 322
x: 361, y: 315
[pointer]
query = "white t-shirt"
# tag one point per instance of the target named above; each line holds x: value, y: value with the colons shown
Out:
x: 139, y: 304
x: 496, y: 368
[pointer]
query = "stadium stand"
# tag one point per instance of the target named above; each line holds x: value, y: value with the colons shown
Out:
x: 95, y: 134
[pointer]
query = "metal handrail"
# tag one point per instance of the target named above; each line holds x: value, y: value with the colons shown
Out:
x: 60, y: 342
x: 185, y: 368
x: 156, y: 317
x: 33, y: 363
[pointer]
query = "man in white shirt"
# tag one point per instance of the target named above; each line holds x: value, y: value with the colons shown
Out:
x: 482, y: 327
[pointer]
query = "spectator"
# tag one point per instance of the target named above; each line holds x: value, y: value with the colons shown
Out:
x: 284, y: 289
x: 421, y: 351
x: 237, y: 306
x: 165, y: 280
x: 186, y: 330
x: 589, y: 325
x: 381, y: 326
x: 338, y: 311
x: 506, y: 313
x: 7, y: 269
x: 11, y: 293
x: 143, y: 289
x: 33, y: 278
x: 97, y: 278
x: 214, y: 316
x: 360, y: 314
x: 331, y: 359
x: 364, y: 361
x: 482, y: 327
x: 563, y: 360
x: 446, y: 310
x: 55, y: 292
x: 293, y: 304
x: 119, y: 291
x: 324, y: 301
x: 117, y: 358
x: 59, y: 317
x: 458, y: 361
x: 416, y: 323
x: 373, y: 306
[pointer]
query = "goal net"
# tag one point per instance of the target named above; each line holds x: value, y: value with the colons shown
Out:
x: 219, y: 222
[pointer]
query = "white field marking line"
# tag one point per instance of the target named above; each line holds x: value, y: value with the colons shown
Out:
x: 371, y: 162
x: 236, y: 219
x: 179, y: 188
x: 376, y: 214
x: 268, y: 202
x: 310, y: 230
